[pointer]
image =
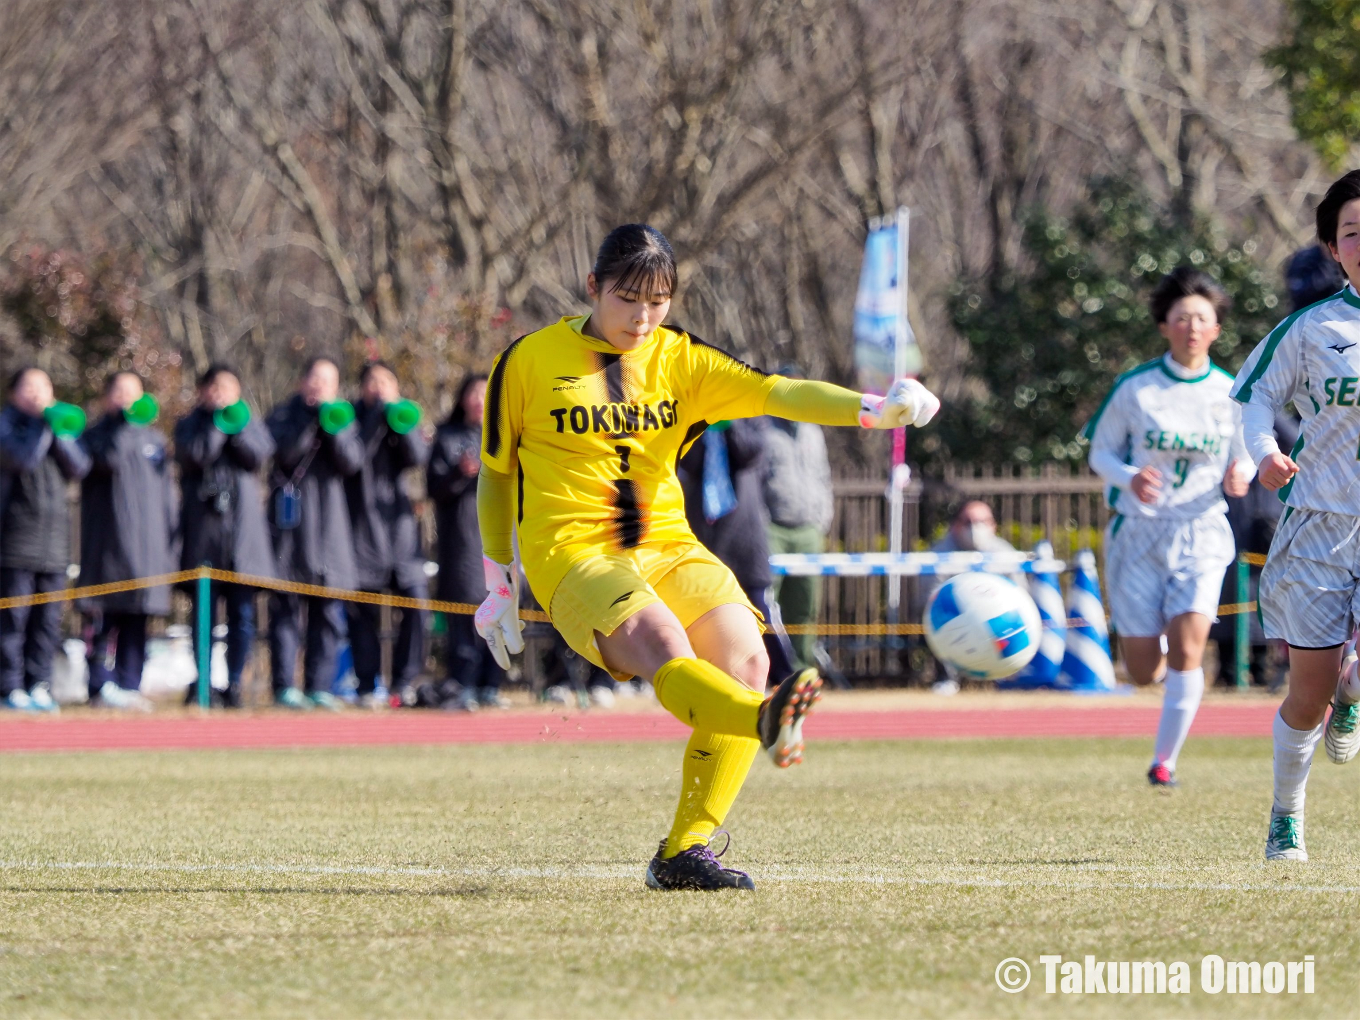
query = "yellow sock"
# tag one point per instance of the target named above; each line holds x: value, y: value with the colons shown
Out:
x: 716, y: 765
x: 701, y: 695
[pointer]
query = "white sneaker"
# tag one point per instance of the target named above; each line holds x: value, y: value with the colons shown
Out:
x: 1341, y: 738
x: 113, y: 696
x: 601, y: 696
x: 1284, y: 841
x: 491, y: 697
x: 41, y: 699
x: 557, y: 695
x: 19, y: 701
x: 374, y: 701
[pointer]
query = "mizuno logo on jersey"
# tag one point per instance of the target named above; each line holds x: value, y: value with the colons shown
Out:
x: 1340, y: 348
x: 1340, y: 390
x: 1192, y: 441
x: 615, y: 419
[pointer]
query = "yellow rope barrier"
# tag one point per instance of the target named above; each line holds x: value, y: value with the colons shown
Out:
x: 94, y: 590
x: 463, y: 608
x: 347, y: 595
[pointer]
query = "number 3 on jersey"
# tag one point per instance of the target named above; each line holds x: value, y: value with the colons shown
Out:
x: 623, y: 452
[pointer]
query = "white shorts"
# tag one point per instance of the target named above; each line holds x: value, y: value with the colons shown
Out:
x: 1157, y: 569
x: 1310, y: 581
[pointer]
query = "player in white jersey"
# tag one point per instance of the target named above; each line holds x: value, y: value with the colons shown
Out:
x: 1167, y: 441
x: 1310, y: 587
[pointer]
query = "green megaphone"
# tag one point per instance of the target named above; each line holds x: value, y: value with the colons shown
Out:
x: 403, y: 416
x: 233, y: 418
x: 143, y: 411
x: 335, y: 415
x: 66, y: 420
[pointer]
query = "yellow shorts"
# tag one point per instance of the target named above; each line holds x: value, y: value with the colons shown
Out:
x: 602, y: 592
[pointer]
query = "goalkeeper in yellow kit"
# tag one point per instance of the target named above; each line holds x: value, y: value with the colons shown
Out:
x: 585, y: 421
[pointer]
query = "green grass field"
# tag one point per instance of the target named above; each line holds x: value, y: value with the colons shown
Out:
x: 507, y: 881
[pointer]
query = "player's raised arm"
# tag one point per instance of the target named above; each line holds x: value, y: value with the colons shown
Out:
x: 820, y: 403
x: 725, y: 387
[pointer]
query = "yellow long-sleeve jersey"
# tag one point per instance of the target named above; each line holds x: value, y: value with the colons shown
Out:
x: 594, y: 435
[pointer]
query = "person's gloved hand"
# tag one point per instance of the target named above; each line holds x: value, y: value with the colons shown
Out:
x: 497, y: 619
x: 907, y: 403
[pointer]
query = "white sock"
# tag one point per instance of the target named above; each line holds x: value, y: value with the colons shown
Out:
x: 1293, y: 757
x: 1184, y: 689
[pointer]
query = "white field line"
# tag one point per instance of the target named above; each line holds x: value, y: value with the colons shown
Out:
x: 634, y: 873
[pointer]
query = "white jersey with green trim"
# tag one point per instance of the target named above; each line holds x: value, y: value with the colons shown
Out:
x: 1185, y: 426
x: 1312, y: 358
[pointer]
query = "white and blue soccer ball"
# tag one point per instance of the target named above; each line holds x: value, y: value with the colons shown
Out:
x: 984, y: 625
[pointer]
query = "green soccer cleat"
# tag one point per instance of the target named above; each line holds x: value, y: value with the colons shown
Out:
x: 1342, y: 736
x: 1284, y: 842
x: 780, y: 723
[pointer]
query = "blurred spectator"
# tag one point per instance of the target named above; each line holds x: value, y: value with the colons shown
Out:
x: 1311, y: 274
x: 386, y: 535
x: 973, y: 529
x: 221, y: 448
x: 35, y: 537
x: 722, y: 476
x: 317, y: 448
x: 472, y: 676
x: 127, y: 530
x: 799, y: 500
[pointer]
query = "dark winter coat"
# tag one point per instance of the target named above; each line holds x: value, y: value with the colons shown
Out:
x: 386, y: 533
x: 739, y: 538
x: 127, y: 515
x: 35, y: 515
x: 321, y: 549
x: 455, y: 508
x: 222, y: 515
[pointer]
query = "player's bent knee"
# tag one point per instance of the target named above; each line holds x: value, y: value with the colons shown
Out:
x: 752, y: 670
x: 729, y: 637
x: 645, y: 642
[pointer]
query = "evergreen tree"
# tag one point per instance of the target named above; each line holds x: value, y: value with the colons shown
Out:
x: 1047, y: 343
x: 1321, y: 64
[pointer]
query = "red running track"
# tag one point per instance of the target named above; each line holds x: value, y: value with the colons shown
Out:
x: 353, y: 729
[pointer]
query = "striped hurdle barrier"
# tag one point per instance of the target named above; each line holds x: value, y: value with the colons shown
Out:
x: 1086, y: 663
x: 1046, y: 666
x: 912, y: 564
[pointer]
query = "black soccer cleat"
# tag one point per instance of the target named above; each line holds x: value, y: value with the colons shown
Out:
x: 695, y: 868
x: 780, y: 723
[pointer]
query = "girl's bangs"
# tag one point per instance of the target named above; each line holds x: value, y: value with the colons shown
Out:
x: 646, y: 273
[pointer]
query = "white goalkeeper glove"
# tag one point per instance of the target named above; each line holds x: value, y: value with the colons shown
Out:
x: 907, y: 403
x: 497, y: 619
